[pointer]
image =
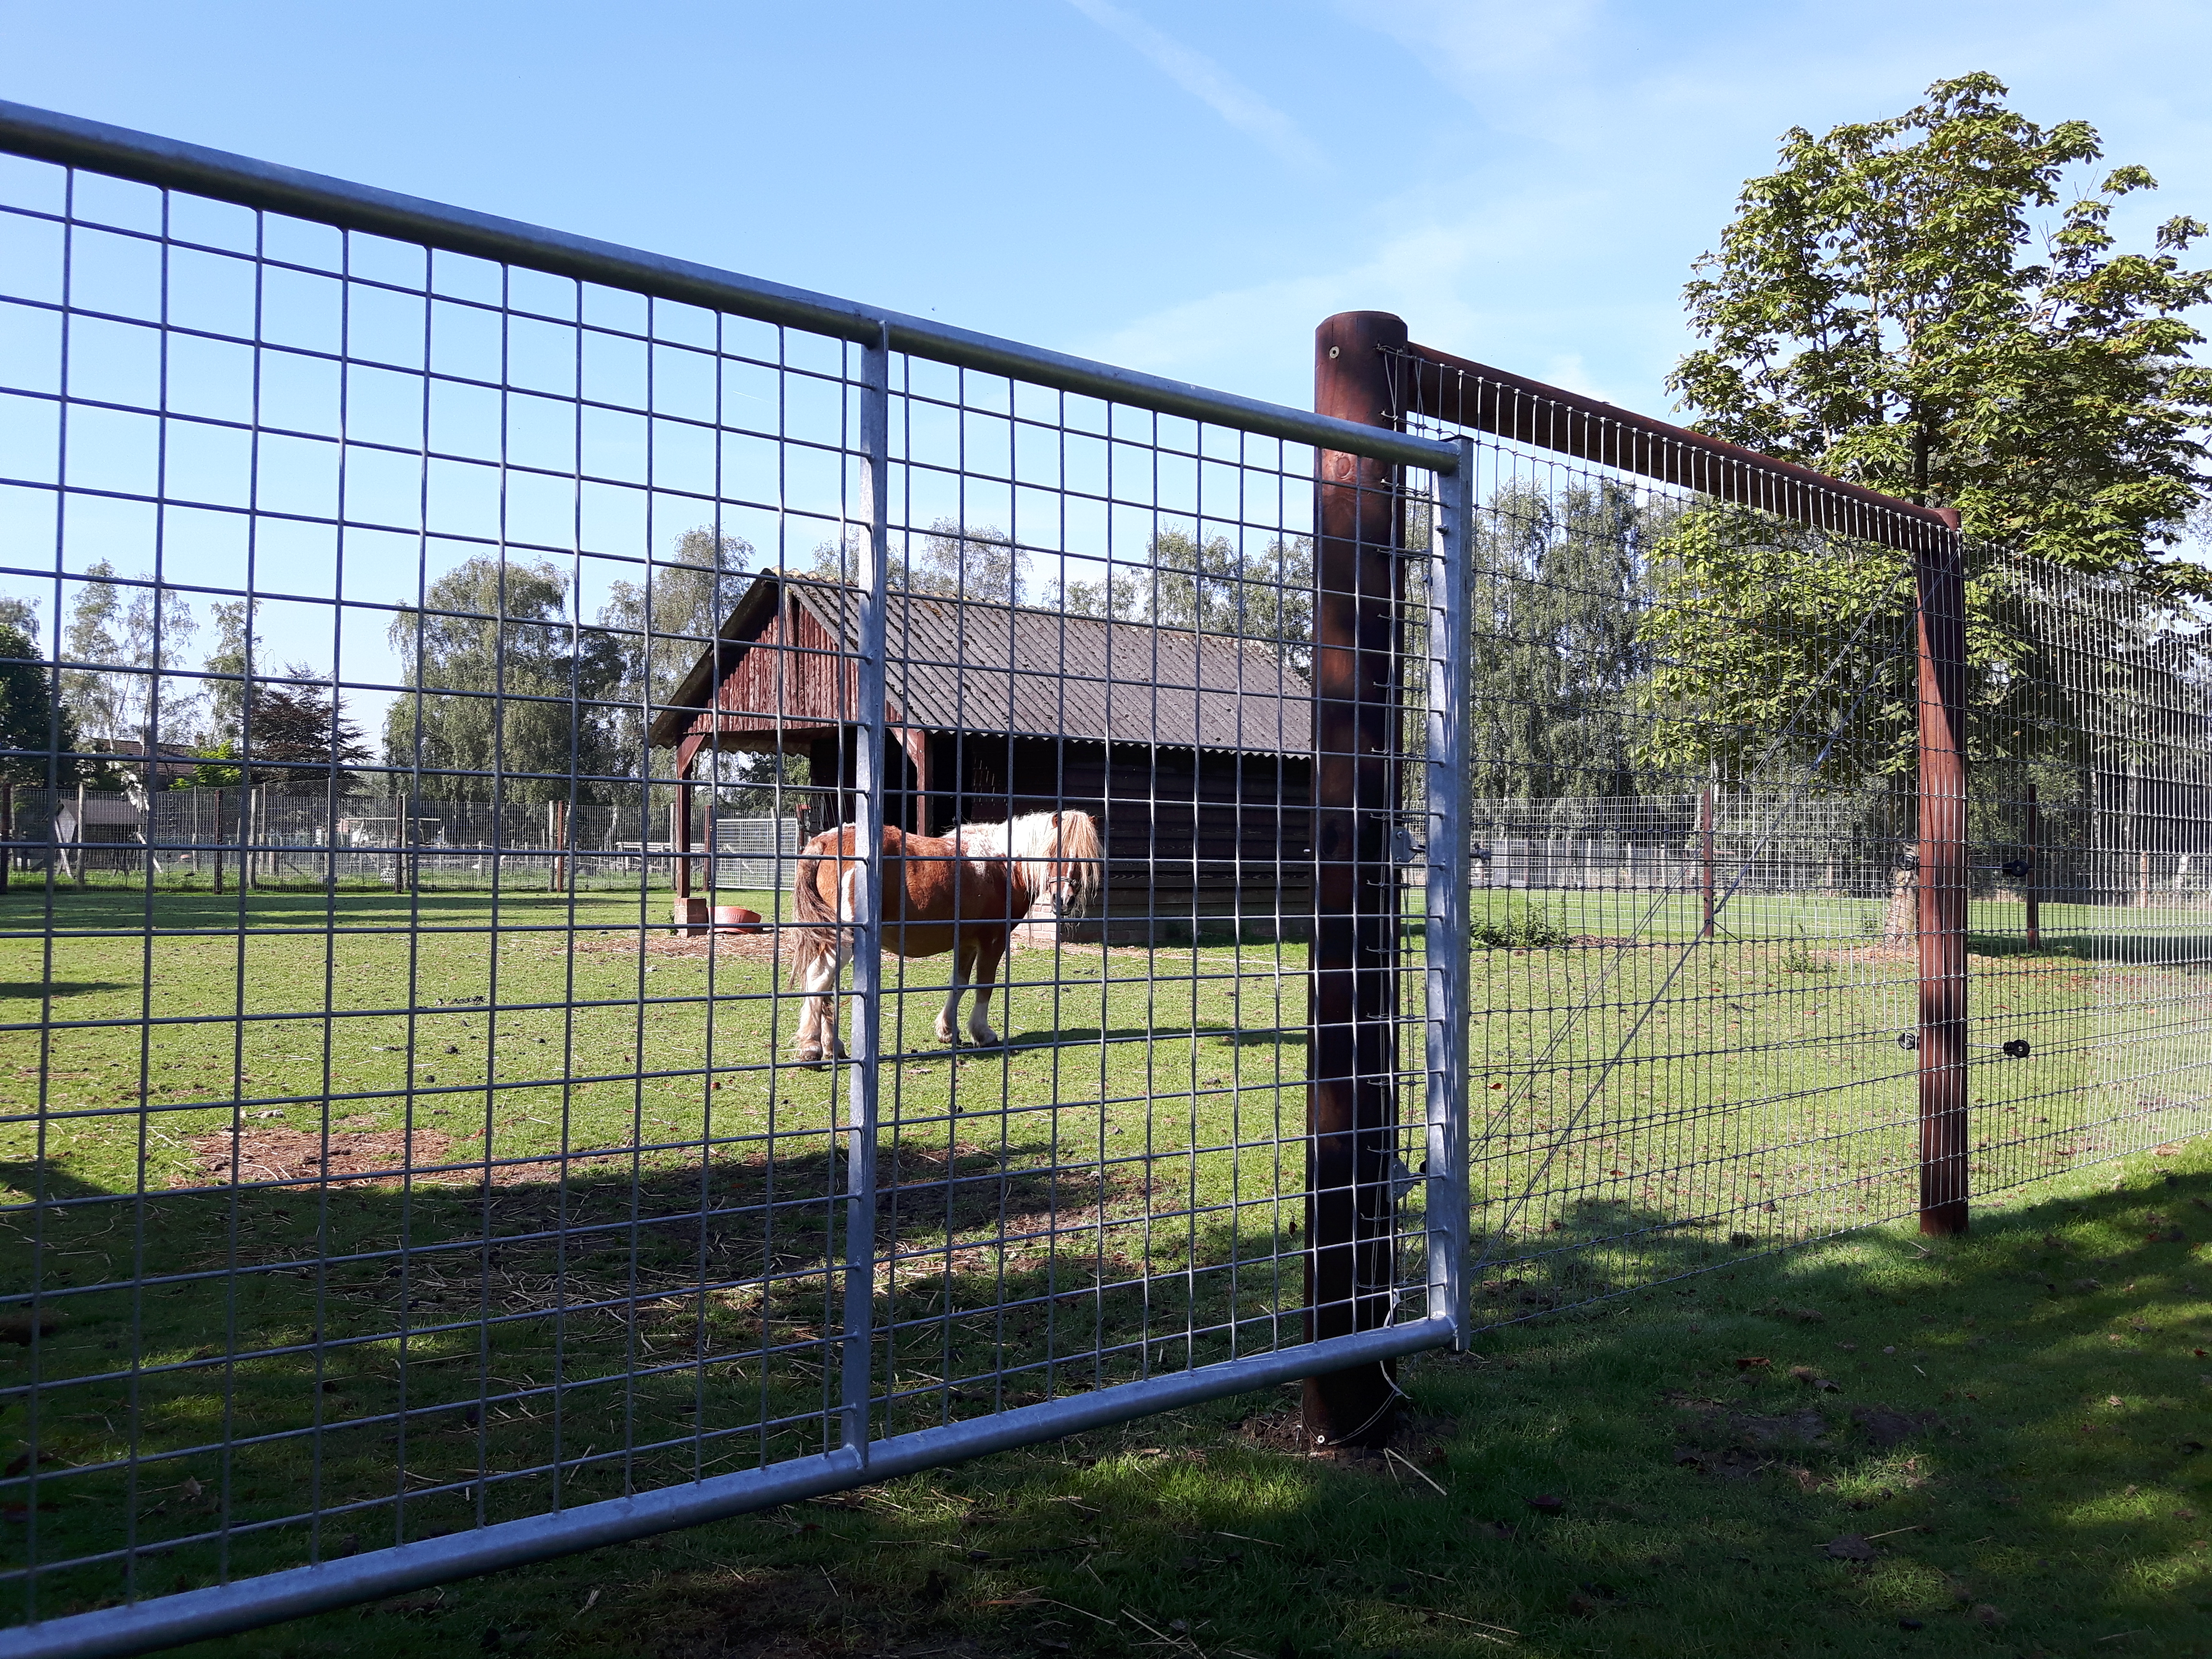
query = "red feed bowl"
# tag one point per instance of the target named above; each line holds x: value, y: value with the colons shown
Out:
x: 736, y: 918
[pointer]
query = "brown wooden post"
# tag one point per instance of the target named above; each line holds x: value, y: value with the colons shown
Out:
x: 1351, y: 1102
x: 1705, y: 856
x: 687, y: 916
x: 2034, y: 873
x: 1940, y: 568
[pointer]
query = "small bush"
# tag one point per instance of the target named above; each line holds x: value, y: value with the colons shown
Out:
x: 1797, y: 956
x: 1528, y: 927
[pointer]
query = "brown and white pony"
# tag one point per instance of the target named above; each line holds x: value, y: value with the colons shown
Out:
x: 964, y: 892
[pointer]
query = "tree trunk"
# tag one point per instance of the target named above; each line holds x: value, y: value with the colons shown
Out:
x: 1900, y: 923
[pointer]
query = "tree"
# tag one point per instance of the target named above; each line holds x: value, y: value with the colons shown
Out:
x: 38, y: 731
x: 1557, y: 657
x: 299, y: 741
x: 1211, y: 585
x: 1885, y: 308
x: 95, y: 693
x: 1777, y: 650
x: 505, y: 691
x: 650, y: 632
x: 228, y: 668
x: 128, y: 650
x: 981, y: 564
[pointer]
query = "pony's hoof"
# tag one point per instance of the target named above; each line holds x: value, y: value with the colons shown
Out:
x: 809, y: 1056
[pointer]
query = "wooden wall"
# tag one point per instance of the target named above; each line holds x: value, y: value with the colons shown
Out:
x: 1203, y: 841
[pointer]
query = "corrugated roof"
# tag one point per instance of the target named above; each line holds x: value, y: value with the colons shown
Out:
x: 961, y: 665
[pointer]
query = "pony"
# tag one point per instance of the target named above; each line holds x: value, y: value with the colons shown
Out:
x: 964, y: 892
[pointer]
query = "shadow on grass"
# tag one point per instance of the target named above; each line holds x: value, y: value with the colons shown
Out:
x: 1881, y: 1445
x: 2133, y: 948
x: 424, y: 1345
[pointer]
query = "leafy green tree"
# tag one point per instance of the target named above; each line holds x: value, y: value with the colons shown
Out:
x: 1886, y: 307
x: 218, y: 768
x: 228, y: 668
x: 505, y: 691
x: 38, y: 729
x: 1774, y: 647
x: 649, y: 634
x: 94, y: 692
x: 1562, y: 579
x: 980, y: 564
x: 1211, y: 585
x: 129, y: 640
x: 299, y: 741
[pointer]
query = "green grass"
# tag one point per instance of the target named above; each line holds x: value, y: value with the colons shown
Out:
x: 2047, y: 1470
x: 1120, y: 1171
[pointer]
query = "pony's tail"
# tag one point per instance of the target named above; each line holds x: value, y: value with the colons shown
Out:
x: 818, y: 922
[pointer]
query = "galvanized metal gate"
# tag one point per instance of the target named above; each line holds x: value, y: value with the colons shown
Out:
x: 440, y: 1164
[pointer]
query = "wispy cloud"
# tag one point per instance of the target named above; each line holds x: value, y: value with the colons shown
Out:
x: 1477, y: 43
x: 1441, y: 274
x: 1205, y: 80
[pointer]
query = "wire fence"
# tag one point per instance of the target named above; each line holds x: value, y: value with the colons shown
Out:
x: 1702, y: 925
x: 773, y: 894
x: 425, y: 1147
x: 195, y: 839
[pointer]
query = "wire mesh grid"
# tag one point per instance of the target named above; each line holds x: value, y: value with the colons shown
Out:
x: 2089, y: 907
x: 1697, y: 925
x: 439, y: 853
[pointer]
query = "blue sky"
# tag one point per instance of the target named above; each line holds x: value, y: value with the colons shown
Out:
x: 1185, y: 189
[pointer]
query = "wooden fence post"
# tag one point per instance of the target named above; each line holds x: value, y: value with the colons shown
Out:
x: 1939, y: 567
x: 1351, y: 1109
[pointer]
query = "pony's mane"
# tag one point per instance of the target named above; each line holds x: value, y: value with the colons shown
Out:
x: 1035, y: 843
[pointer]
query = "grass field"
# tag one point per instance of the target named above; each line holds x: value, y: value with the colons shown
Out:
x: 2011, y: 1461
x: 609, y: 1265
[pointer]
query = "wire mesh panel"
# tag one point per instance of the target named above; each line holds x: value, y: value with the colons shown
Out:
x: 2088, y: 906
x: 1689, y: 981
x: 609, y: 899
x: 1703, y: 948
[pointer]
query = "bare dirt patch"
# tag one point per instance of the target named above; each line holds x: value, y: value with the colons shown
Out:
x: 1886, y: 1426
x: 1735, y: 1445
x: 383, y: 1159
x: 1418, y: 1442
x: 771, y: 945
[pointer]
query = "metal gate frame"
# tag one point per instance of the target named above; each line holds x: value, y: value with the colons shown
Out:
x: 1360, y: 1350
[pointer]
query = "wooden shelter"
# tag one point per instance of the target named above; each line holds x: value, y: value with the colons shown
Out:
x: 1193, y: 751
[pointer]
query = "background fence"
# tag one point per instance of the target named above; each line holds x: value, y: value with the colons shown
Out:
x: 468, y: 1184
x: 201, y: 838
